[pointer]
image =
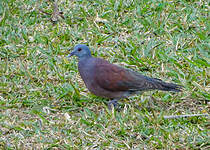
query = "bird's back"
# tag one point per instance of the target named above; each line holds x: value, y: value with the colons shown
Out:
x: 109, y: 80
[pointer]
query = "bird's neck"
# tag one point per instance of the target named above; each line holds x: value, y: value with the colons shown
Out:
x: 84, y: 65
x: 84, y: 58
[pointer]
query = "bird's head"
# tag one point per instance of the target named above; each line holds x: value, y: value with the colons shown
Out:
x: 81, y: 51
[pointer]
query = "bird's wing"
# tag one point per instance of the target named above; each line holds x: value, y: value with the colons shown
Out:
x: 114, y: 78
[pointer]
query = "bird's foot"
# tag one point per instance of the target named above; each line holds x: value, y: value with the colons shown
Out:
x: 114, y: 103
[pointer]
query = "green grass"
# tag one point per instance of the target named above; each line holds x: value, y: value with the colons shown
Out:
x: 44, y: 104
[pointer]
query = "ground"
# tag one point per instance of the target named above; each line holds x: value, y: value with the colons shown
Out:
x: 44, y: 104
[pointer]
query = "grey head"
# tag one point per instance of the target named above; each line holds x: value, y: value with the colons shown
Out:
x: 81, y: 51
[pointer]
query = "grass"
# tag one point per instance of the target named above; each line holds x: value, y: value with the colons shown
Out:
x: 44, y: 104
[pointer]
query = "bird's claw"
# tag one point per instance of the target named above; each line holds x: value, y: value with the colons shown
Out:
x: 113, y: 103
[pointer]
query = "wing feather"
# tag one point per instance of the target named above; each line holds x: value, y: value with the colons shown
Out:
x: 115, y: 78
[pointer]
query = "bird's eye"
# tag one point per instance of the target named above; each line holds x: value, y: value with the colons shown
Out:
x: 79, y: 49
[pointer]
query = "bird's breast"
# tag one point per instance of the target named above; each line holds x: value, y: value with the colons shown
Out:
x: 87, y: 73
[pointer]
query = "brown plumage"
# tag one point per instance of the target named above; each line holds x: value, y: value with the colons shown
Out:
x: 111, y: 81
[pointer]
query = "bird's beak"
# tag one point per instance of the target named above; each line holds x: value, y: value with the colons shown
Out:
x: 71, y: 54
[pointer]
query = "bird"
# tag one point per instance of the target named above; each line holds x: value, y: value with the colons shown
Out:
x: 114, y: 82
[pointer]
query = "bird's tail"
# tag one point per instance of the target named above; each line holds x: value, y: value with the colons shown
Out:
x: 164, y: 86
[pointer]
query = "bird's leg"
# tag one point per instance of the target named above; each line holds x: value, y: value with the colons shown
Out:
x: 113, y: 102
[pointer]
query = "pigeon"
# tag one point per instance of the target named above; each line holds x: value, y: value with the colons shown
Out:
x: 112, y: 81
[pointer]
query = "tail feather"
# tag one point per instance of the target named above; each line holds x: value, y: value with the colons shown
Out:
x: 171, y: 87
x: 164, y: 86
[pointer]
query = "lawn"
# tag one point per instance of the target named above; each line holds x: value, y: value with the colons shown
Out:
x: 44, y: 103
